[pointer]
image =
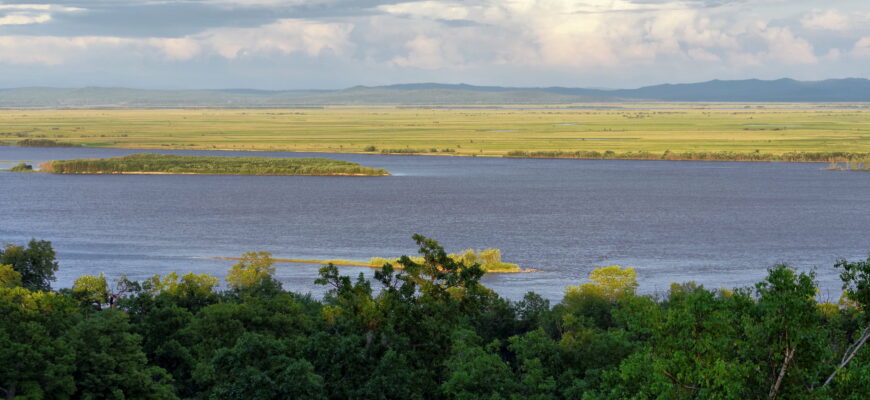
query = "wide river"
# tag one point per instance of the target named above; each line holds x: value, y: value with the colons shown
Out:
x: 716, y: 223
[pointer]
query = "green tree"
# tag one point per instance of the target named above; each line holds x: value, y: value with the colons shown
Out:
x: 790, y: 342
x: 856, y: 288
x: 36, y: 263
x: 260, y: 367
x: 9, y: 277
x: 91, y: 290
x: 253, y: 268
x: 35, y: 362
x: 474, y: 372
x: 110, y: 363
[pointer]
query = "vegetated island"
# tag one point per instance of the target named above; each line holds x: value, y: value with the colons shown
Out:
x: 45, y: 143
x: 488, y: 259
x: 22, y: 167
x: 147, y: 163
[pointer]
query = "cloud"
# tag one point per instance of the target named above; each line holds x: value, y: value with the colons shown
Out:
x: 26, y: 14
x: 525, y: 40
x: 826, y: 20
x: 862, y: 48
x: 284, y: 36
x: 784, y: 46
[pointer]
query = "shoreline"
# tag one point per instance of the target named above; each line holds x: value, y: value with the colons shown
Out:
x: 351, y: 263
x: 199, y: 173
x: 671, y: 157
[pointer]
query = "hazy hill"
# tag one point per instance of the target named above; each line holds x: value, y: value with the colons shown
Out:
x: 752, y: 90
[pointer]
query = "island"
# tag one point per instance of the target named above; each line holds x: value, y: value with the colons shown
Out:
x: 489, y: 260
x: 147, y: 163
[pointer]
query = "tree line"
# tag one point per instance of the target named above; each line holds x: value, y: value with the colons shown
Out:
x: 429, y: 330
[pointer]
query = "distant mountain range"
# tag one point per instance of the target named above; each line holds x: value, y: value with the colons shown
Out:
x: 751, y: 90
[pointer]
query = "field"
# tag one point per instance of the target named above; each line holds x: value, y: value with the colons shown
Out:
x: 493, y: 131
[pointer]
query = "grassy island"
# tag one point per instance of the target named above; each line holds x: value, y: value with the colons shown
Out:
x: 22, y: 167
x: 489, y: 260
x: 174, y: 164
x: 45, y: 143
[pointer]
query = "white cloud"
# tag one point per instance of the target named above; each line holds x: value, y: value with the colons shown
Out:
x: 284, y: 36
x: 52, y: 50
x: 24, y: 18
x: 783, y: 46
x: 832, y: 20
x: 862, y: 48
x: 25, y: 14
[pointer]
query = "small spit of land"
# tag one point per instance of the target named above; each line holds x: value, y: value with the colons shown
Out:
x: 174, y: 164
x: 670, y: 131
x: 488, y: 259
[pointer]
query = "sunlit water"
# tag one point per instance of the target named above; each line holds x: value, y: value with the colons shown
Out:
x: 717, y: 223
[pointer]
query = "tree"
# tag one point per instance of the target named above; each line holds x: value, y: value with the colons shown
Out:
x: 856, y: 287
x: 259, y: 367
x: 36, y: 263
x: 91, y: 290
x: 110, y: 363
x: 474, y: 372
x: 35, y: 363
x: 609, y: 282
x: 253, y: 268
x: 788, y: 333
x: 9, y: 277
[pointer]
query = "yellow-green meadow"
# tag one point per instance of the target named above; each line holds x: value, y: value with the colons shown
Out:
x: 483, y: 131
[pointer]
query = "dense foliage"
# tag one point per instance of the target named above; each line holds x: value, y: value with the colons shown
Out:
x: 429, y: 331
x: 174, y: 164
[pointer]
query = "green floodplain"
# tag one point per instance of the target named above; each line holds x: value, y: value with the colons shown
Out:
x: 671, y: 131
x: 175, y: 164
x: 426, y: 330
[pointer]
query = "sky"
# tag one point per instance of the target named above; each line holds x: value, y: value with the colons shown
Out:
x: 333, y: 44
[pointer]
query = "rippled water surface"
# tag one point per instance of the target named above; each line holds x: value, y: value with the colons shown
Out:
x: 720, y: 224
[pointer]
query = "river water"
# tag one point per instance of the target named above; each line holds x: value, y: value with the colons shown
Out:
x: 717, y: 223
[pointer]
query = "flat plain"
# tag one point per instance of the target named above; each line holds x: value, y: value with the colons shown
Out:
x: 477, y: 131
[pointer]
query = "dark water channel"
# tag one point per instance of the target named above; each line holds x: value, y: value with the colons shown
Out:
x: 720, y: 224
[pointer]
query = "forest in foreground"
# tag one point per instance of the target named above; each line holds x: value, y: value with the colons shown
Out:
x: 429, y: 330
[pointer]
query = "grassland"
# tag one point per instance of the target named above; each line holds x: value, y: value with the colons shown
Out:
x: 174, y: 164
x: 773, y: 129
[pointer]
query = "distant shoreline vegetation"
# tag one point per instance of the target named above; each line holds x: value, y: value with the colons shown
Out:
x: 44, y: 143
x: 855, y: 164
x: 147, y: 163
x: 692, y: 156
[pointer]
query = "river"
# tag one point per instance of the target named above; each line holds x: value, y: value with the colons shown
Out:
x: 720, y: 224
